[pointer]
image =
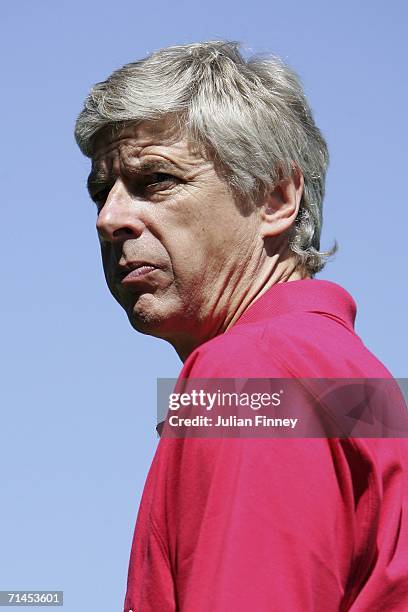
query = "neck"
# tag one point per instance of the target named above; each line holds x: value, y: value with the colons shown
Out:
x: 282, y: 274
x: 275, y: 270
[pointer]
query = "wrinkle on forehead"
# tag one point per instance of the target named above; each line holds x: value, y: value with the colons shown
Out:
x: 123, y: 150
x: 147, y: 133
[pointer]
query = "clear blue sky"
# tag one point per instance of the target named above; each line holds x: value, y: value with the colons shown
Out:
x: 78, y: 384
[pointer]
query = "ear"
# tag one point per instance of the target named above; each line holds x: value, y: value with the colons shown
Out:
x: 281, y: 206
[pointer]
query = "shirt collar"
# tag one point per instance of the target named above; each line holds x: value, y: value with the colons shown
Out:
x: 306, y: 295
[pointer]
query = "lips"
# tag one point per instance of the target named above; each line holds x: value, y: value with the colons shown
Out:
x: 134, y: 272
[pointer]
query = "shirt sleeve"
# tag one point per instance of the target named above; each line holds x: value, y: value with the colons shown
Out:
x: 258, y: 524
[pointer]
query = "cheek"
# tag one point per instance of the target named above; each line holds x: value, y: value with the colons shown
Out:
x: 197, y: 261
x: 200, y: 231
x: 198, y: 249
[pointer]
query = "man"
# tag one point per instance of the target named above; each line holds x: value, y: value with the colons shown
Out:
x: 208, y: 176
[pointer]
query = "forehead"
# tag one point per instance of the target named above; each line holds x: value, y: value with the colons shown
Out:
x: 135, y: 140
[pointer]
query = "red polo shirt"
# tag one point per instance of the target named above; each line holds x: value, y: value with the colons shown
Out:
x: 286, y: 525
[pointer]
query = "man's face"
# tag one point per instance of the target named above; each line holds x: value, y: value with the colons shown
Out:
x: 174, y: 243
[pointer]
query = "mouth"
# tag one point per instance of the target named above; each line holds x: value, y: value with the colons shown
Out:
x: 135, y: 273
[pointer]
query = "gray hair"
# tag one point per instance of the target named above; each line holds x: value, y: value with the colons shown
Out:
x: 250, y: 116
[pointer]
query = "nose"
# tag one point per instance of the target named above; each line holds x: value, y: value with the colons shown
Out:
x: 119, y: 218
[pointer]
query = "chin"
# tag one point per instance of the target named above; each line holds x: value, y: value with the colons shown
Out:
x: 149, y: 315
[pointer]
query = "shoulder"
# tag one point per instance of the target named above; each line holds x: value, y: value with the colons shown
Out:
x: 237, y: 353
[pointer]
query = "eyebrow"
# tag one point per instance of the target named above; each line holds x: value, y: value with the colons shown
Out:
x: 98, y: 179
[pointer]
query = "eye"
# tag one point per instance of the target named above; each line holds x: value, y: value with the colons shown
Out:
x: 160, y: 180
x: 101, y: 197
